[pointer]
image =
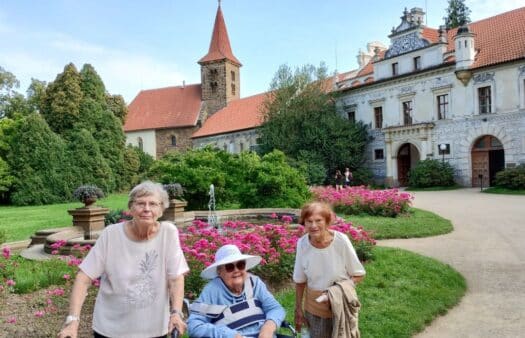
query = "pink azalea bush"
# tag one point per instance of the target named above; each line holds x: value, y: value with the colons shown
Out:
x: 361, y: 200
x: 275, y: 243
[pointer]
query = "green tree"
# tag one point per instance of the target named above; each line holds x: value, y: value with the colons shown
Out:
x: 63, y: 97
x: 118, y: 106
x: 300, y: 119
x: 88, y: 166
x: 39, y: 164
x: 457, y: 14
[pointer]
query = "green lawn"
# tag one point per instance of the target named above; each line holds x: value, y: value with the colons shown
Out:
x: 505, y: 191
x: 19, y: 223
x: 401, y: 293
x: 418, y: 223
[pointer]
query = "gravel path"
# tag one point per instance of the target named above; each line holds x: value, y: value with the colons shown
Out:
x: 487, y: 246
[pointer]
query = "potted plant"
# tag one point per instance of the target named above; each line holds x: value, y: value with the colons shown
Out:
x: 88, y: 194
x: 174, y: 190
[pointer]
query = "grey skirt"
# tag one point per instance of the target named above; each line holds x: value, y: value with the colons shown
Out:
x: 319, y: 327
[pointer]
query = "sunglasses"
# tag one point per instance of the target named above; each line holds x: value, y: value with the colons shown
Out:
x: 240, y: 265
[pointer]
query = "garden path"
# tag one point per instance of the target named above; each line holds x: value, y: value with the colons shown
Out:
x: 487, y: 248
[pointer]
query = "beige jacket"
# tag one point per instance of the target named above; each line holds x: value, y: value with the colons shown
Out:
x: 345, y: 309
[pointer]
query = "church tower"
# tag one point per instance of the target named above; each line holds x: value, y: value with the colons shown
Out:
x: 220, y: 69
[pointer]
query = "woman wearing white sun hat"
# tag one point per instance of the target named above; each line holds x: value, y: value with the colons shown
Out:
x: 234, y: 303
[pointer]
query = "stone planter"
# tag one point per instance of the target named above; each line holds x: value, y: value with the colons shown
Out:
x: 174, y: 211
x: 90, y: 218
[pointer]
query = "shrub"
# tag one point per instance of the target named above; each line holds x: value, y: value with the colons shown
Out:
x: 511, y: 178
x: 116, y: 216
x: 431, y: 173
x: 359, y: 200
x: 243, y: 179
x: 362, y: 176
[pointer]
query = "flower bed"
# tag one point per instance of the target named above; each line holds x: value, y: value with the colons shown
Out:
x: 361, y: 200
x: 275, y: 243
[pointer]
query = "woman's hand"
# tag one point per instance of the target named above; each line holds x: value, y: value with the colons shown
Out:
x: 268, y: 329
x: 70, y: 330
x: 299, y: 319
x: 177, y: 323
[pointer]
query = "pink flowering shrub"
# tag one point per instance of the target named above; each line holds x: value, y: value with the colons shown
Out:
x: 275, y: 243
x: 361, y: 200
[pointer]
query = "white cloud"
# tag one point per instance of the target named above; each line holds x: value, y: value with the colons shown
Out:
x: 43, y: 56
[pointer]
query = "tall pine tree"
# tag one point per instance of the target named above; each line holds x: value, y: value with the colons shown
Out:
x: 62, y: 101
x: 457, y: 14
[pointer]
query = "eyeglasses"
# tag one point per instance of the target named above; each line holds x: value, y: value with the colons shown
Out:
x: 143, y: 205
x: 240, y: 265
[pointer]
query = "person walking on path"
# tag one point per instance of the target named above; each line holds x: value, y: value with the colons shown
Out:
x: 338, y: 180
x: 348, y: 177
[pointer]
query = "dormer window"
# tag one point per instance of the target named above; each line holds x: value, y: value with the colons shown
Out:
x: 395, y: 69
x: 417, y: 63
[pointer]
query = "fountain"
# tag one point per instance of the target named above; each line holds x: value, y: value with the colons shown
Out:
x: 213, y: 220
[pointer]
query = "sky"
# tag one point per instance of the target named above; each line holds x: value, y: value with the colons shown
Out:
x: 136, y: 45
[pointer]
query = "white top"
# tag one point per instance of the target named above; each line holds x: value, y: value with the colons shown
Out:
x: 133, y: 299
x: 321, y: 268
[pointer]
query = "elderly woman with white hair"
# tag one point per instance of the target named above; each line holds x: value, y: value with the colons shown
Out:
x: 141, y: 268
x: 234, y: 304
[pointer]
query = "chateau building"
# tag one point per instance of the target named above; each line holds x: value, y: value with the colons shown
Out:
x: 457, y: 96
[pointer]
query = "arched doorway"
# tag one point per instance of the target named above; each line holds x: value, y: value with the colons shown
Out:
x: 488, y: 157
x: 407, y: 157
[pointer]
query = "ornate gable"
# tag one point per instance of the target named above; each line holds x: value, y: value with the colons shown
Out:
x: 407, y: 36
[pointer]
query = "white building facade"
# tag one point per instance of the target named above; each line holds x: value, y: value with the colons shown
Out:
x: 461, y: 90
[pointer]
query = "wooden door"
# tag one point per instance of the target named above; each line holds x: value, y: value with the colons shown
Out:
x: 480, y: 166
x: 403, y: 165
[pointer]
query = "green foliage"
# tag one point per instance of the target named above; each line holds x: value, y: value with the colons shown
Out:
x: 457, y: 14
x: 40, y: 165
x: 116, y: 216
x: 273, y: 183
x: 431, y: 173
x: 311, y: 165
x: 91, y: 84
x: 63, y: 97
x: 145, y: 159
x: 87, y: 163
x: 130, y: 170
x: 511, y: 178
x: 2, y: 236
x: 118, y: 106
x: 362, y: 176
x: 244, y: 179
x: 301, y: 118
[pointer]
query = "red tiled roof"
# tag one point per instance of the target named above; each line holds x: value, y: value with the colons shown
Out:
x: 238, y: 115
x: 499, y: 38
x: 169, y: 107
x: 430, y: 34
x: 220, y: 48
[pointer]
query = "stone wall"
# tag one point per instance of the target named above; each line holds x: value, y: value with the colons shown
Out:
x: 182, y: 135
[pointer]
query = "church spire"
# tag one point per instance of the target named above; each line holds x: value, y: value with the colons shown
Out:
x: 220, y: 48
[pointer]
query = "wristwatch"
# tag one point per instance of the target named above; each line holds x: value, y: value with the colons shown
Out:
x: 178, y: 312
x: 71, y: 318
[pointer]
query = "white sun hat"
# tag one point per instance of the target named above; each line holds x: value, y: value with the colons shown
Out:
x: 229, y: 253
